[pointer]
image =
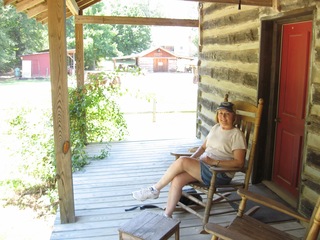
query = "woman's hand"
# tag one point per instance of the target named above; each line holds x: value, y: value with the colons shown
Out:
x: 237, y: 162
x: 209, y: 161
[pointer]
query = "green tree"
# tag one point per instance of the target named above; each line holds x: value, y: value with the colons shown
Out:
x: 18, y: 35
x: 132, y: 39
x: 106, y: 41
x: 98, y: 39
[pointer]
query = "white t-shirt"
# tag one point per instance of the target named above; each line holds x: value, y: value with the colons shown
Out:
x: 221, y: 143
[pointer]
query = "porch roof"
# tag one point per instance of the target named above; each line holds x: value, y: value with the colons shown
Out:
x: 38, y: 9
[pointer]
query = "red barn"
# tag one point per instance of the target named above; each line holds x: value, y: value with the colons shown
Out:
x: 37, y: 65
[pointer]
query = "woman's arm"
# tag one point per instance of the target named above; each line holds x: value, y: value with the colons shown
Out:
x: 199, y: 151
x: 237, y: 161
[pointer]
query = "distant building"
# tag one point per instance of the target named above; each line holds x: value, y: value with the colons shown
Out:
x: 37, y: 65
x: 157, y: 59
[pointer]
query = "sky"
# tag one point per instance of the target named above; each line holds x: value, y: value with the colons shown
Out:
x: 175, y: 35
x: 180, y: 9
x: 170, y: 8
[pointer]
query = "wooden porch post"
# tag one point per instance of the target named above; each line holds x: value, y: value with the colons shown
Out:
x: 60, y: 109
x: 79, y: 53
x: 80, y: 65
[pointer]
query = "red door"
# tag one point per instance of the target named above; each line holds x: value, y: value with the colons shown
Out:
x: 160, y: 65
x: 295, y: 55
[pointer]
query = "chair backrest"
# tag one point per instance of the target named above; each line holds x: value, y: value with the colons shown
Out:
x: 314, y: 224
x: 248, y: 121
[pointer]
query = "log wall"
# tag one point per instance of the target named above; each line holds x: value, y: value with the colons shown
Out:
x: 229, y: 55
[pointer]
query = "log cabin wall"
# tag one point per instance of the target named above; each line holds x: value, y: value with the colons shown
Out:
x: 229, y: 56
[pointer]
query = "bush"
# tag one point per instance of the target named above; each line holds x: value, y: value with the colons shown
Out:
x: 94, y: 117
x: 33, y: 181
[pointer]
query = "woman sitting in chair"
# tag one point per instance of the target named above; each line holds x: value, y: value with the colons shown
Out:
x: 225, y: 146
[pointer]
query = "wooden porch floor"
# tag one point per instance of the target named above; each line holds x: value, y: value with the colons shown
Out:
x: 102, y: 192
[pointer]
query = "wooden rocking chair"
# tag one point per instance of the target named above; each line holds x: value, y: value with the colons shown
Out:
x: 245, y: 227
x: 248, y: 121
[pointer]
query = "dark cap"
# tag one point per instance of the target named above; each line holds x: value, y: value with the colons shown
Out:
x: 229, y: 106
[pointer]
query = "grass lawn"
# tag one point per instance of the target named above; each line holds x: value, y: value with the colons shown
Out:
x: 158, y: 105
x: 15, y: 94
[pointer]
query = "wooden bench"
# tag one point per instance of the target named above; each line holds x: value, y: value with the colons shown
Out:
x: 149, y: 226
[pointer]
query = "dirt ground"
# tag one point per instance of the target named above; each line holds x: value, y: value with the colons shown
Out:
x: 23, y: 224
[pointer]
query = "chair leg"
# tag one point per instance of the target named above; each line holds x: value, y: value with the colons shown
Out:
x: 208, y: 205
x: 211, y: 192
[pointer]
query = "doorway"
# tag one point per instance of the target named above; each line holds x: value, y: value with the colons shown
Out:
x: 160, y: 65
x: 26, y: 68
x: 291, y: 109
x: 279, y: 85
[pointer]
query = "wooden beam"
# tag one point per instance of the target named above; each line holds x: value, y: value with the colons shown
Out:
x: 84, y: 4
x: 37, y: 10
x: 60, y: 107
x: 42, y: 17
x: 276, y: 5
x: 260, y: 3
x: 200, y: 29
x: 136, y: 21
x: 79, y: 55
x: 87, y: 2
x: 73, y: 7
x: 7, y: 2
x: 24, y: 5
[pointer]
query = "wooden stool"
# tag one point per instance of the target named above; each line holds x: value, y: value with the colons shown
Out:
x: 149, y: 226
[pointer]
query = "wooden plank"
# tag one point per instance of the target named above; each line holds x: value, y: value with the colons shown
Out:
x: 37, y: 10
x: 84, y: 4
x: 261, y: 3
x: 42, y: 17
x: 59, y: 88
x: 7, y: 2
x: 24, y: 5
x: 276, y: 5
x: 136, y: 21
x: 149, y: 225
x: 73, y: 7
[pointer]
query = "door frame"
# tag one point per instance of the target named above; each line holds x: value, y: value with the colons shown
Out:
x: 268, y: 84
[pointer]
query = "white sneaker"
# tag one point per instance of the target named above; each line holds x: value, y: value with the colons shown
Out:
x: 165, y: 215
x: 146, y: 193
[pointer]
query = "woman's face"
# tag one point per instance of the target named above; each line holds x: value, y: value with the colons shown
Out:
x: 225, y: 118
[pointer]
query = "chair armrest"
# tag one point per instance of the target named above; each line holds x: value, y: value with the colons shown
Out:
x: 181, y: 154
x: 177, y: 155
x: 220, y: 169
x: 223, y: 232
x: 268, y: 202
x: 185, y: 153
